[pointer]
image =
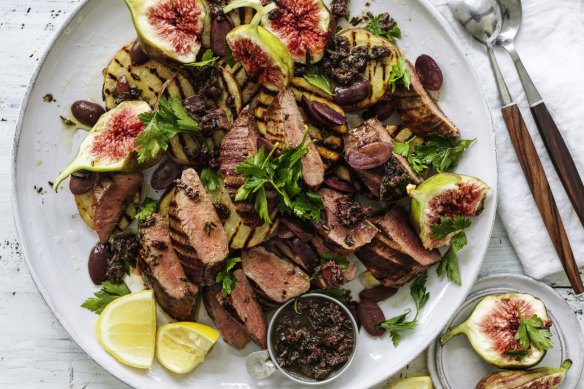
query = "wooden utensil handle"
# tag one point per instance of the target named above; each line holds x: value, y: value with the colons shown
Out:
x: 542, y: 193
x: 561, y: 158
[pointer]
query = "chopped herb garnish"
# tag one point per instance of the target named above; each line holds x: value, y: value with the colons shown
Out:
x: 282, y: 174
x: 226, y: 277
x: 316, y: 76
x: 451, y: 225
x: 400, y: 323
x: 211, y: 178
x: 533, y: 331
x: 108, y: 293
x: 340, y: 294
x: 147, y: 208
x: 338, y: 259
x: 206, y: 60
x: 439, y: 152
x: 385, y: 26
x: 170, y: 119
x: 400, y: 74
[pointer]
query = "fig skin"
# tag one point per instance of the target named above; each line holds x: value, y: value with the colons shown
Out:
x: 534, y: 378
x: 86, y: 158
x: 439, y: 185
x: 489, y: 309
x: 155, y: 47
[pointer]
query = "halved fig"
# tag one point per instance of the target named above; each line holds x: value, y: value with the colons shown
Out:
x: 541, y: 378
x: 265, y: 59
x: 170, y: 30
x: 492, y: 325
x: 448, y: 195
x: 302, y: 25
x: 109, y: 146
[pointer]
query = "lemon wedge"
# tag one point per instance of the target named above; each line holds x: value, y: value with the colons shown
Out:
x: 126, y: 329
x: 413, y: 383
x: 180, y: 347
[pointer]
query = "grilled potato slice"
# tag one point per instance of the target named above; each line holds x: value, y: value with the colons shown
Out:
x: 248, y: 88
x: 84, y: 206
x: 260, y: 105
x: 148, y: 78
x: 164, y: 202
x: 377, y: 71
x: 184, y: 148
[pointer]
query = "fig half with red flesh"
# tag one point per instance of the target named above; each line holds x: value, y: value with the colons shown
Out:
x: 540, y: 378
x: 493, y: 324
x: 265, y: 59
x: 302, y: 25
x: 109, y: 146
x: 170, y: 30
x: 445, y: 195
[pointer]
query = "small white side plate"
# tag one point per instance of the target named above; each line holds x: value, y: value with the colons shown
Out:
x: 456, y: 365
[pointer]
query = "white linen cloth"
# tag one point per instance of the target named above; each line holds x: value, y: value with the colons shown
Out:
x: 551, y: 45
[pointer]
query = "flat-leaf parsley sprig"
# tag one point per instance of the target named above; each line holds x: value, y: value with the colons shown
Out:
x: 451, y: 225
x: 281, y: 174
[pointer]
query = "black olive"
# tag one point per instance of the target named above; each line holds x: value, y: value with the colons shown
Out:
x: 86, y: 112
x: 82, y: 182
x: 97, y: 264
x: 137, y: 55
x: 353, y: 93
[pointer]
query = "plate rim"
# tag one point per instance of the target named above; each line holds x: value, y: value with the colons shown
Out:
x: 119, y: 373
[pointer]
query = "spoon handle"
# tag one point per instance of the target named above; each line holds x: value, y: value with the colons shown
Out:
x: 552, y: 138
x: 541, y: 191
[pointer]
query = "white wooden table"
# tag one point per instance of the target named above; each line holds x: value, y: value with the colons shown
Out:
x: 35, y: 351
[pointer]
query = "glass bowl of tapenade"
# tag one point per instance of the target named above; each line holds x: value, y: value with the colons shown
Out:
x: 312, y: 339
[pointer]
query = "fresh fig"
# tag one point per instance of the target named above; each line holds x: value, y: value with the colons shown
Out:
x: 541, y: 378
x: 445, y: 194
x: 169, y: 30
x: 109, y: 146
x: 265, y: 59
x: 492, y: 327
x: 302, y: 25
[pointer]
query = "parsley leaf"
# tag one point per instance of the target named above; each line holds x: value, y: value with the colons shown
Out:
x: 108, y: 293
x: 449, y: 266
x: 439, y: 152
x: 229, y: 60
x: 339, y: 260
x: 533, y: 331
x: 385, y: 26
x: 170, y: 119
x: 148, y: 207
x: 282, y: 174
x: 399, y: 323
x: 226, y: 277
x: 211, y: 178
x: 400, y: 73
x: 316, y: 76
x: 518, y: 355
x: 451, y: 225
x: 206, y: 60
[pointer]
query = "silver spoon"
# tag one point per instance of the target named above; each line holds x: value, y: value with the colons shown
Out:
x: 482, y: 19
x: 550, y: 134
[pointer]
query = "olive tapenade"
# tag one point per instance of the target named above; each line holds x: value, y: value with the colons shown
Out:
x: 313, y: 337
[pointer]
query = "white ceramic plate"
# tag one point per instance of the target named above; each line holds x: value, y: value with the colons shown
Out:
x: 56, y: 242
x: 444, y: 362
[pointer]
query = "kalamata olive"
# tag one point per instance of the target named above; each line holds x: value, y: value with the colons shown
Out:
x: 353, y: 306
x: 370, y: 156
x: 82, y: 182
x: 352, y: 94
x: 87, y: 112
x: 339, y: 186
x: 383, y: 109
x: 378, y: 293
x: 122, y: 86
x: 97, y: 264
x: 194, y: 105
x: 321, y: 114
x: 165, y: 174
x: 429, y: 72
x: 370, y: 314
x: 219, y: 30
x: 137, y: 55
